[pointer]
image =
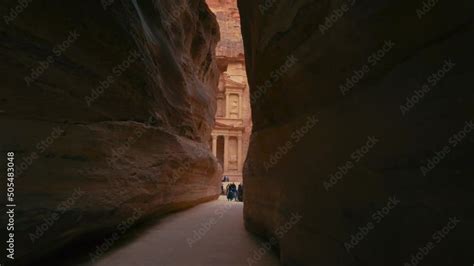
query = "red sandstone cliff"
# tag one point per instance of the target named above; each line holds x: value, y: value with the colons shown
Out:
x: 108, y: 108
x: 227, y: 14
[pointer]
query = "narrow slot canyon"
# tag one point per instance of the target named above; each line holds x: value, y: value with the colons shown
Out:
x: 128, y: 125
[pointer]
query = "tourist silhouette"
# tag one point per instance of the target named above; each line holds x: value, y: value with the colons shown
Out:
x: 240, y: 193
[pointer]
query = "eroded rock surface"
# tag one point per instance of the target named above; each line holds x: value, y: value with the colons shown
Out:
x: 228, y: 18
x: 337, y: 152
x: 108, y: 106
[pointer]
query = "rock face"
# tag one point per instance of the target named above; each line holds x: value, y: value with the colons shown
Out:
x: 108, y: 106
x: 362, y: 140
x: 228, y: 17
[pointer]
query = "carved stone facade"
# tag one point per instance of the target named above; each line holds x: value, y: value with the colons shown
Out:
x: 231, y: 133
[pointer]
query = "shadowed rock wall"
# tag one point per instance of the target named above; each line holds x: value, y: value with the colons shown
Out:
x: 108, y: 106
x: 362, y: 132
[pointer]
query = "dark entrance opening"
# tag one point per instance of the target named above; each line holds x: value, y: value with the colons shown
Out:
x: 220, y: 150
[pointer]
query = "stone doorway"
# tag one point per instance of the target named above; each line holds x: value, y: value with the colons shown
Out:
x: 220, y: 150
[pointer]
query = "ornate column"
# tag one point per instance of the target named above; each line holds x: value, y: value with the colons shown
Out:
x: 214, y: 145
x: 226, y: 153
x: 240, y: 106
x: 227, y: 107
x: 239, y: 153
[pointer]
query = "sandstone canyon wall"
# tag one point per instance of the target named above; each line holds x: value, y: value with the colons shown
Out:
x: 227, y: 15
x: 362, y: 136
x: 108, y: 106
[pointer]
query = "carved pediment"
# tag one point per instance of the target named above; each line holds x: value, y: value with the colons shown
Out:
x: 234, y: 84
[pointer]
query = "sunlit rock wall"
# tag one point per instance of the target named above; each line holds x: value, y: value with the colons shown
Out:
x: 228, y: 17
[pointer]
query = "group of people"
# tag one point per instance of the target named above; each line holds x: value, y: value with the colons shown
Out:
x: 232, y: 191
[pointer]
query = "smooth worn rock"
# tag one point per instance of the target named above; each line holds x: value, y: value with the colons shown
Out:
x: 360, y: 105
x: 108, y: 106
